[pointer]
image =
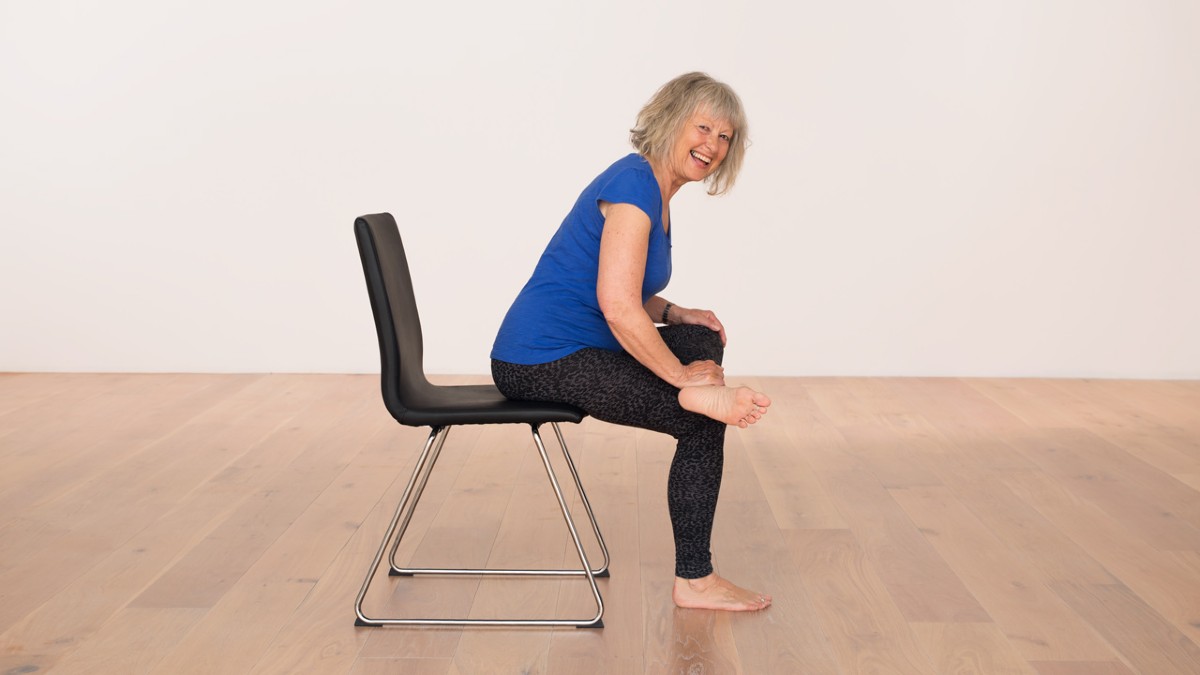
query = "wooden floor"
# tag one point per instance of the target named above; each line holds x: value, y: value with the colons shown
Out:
x: 222, y: 524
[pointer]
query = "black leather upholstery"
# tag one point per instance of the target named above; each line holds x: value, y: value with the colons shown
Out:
x: 408, y: 395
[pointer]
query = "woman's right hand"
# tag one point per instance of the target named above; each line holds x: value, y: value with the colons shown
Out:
x: 700, y: 374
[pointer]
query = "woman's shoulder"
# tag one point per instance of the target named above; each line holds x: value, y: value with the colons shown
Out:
x: 633, y: 162
x: 631, y: 173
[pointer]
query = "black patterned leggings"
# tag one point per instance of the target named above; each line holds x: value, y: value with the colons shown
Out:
x: 614, y: 387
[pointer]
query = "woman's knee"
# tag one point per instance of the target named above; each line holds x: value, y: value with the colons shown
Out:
x: 695, y: 343
x: 709, y: 343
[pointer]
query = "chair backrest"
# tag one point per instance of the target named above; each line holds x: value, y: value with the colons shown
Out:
x: 395, y: 308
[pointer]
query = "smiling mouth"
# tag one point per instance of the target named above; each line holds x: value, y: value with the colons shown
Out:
x: 705, y: 160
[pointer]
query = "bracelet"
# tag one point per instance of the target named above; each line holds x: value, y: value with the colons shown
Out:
x: 666, y: 310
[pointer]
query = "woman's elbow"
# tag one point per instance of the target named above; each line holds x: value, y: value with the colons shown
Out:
x: 616, y: 312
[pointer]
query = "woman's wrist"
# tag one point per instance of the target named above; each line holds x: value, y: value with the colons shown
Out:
x: 666, y: 313
x: 680, y: 378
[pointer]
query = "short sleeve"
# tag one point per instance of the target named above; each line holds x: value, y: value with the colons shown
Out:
x: 633, y: 186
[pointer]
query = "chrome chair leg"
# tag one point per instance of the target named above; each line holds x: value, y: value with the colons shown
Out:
x: 407, y: 506
x: 362, y: 619
x: 587, y: 506
x: 416, y: 497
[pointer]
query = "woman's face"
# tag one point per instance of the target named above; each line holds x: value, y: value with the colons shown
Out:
x: 701, y: 146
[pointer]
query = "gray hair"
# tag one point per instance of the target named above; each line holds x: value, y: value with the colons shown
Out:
x: 662, y: 118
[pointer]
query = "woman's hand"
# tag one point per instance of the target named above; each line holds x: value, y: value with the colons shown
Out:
x: 700, y: 374
x: 698, y: 317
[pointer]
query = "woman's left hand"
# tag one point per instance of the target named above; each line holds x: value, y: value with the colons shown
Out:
x: 699, y: 317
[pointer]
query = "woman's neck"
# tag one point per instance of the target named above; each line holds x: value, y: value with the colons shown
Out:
x: 668, y: 184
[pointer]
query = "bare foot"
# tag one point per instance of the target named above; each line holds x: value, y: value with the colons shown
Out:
x: 741, y: 406
x: 714, y: 592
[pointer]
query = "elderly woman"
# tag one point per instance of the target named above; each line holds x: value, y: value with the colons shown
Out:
x: 582, y: 329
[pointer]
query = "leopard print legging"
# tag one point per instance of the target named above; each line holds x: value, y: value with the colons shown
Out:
x: 614, y: 387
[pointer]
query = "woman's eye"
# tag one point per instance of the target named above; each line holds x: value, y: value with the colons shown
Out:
x: 703, y: 128
x: 724, y: 137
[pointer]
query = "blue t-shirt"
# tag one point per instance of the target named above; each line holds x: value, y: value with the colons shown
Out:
x: 557, y: 312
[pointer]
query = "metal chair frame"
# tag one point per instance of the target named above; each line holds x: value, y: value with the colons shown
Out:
x: 408, y: 504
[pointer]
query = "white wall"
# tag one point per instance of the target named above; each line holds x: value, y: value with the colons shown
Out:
x: 935, y: 187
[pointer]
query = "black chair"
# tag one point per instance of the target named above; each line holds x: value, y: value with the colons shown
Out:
x: 414, y: 401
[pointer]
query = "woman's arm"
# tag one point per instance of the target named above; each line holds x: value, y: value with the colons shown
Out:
x: 655, y: 306
x: 623, y: 247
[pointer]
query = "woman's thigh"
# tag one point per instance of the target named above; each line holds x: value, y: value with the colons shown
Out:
x: 610, y: 386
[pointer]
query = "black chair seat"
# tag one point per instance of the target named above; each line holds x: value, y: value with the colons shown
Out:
x: 440, y: 406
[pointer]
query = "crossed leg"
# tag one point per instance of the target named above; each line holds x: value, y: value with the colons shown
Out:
x: 614, y: 387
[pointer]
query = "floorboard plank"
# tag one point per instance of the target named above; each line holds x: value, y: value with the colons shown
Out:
x: 970, y: 648
x: 1165, y: 580
x: 866, y: 631
x: 918, y: 579
x: 1143, y: 638
x: 135, y: 494
x: 1039, y: 625
x: 1081, y: 668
